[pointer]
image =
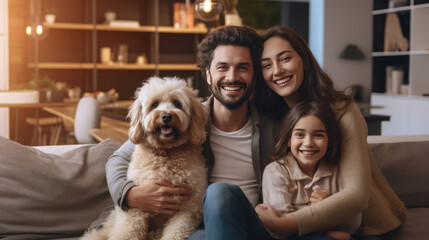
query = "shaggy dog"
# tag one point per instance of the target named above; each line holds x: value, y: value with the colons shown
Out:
x: 168, y: 127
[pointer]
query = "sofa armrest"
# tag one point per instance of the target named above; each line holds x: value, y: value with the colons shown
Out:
x: 59, y: 149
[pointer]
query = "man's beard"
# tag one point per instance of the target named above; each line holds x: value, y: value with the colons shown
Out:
x: 230, y: 104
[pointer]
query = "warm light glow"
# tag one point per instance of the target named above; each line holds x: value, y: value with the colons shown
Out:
x: 39, y: 30
x: 207, y: 6
x: 28, y: 30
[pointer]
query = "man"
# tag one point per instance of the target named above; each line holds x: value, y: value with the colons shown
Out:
x: 239, y: 139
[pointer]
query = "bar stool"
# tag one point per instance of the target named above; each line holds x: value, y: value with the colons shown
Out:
x: 48, y: 130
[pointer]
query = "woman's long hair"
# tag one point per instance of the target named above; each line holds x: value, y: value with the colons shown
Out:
x: 317, y: 85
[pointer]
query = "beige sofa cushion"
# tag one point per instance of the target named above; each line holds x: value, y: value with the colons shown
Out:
x: 404, y: 161
x: 50, y: 196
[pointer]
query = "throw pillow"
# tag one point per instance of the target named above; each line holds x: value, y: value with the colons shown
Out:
x: 50, y: 196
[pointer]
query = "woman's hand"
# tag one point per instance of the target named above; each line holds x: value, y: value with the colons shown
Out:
x: 159, y: 197
x: 275, y: 224
x: 318, y: 195
x: 268, y: 216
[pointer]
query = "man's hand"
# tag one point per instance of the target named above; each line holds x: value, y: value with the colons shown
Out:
x: 160, y: 197
x: 318, y: 195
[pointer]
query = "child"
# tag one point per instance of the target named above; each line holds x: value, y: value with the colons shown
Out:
x: 305, y: 172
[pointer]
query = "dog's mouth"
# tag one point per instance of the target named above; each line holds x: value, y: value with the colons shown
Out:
x: 167, y: 131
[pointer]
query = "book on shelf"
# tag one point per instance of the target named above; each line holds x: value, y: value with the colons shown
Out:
x: 183, y: 15
x: 124, y: 23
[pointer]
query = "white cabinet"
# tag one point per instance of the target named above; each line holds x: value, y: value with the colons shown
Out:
x: 414, y: 19
x: 408, y: 115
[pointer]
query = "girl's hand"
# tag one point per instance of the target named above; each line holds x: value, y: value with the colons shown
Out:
x: 318, y: 195
x: 268, y: 216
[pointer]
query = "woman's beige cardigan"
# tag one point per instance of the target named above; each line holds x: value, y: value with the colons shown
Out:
x: 365, y: 188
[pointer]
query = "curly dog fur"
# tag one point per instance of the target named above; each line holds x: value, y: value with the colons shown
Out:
x: 168, y: 127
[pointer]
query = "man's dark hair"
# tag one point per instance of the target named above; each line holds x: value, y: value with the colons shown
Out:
x: 230, y: 35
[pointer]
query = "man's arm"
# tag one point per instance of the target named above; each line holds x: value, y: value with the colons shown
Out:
x: 116, y: 174
x: 151, y: 196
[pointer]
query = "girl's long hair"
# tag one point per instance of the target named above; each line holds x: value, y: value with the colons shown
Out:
x: 321, y: 111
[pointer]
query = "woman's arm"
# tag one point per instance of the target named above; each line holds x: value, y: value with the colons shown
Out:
x: 354, y: 170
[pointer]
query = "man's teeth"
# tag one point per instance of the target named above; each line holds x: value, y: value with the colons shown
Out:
x: 231, y: 88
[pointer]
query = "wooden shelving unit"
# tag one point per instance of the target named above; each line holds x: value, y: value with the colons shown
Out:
x: 71, y: 50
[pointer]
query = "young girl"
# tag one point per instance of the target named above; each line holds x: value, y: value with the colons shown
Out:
x: 305, y: 172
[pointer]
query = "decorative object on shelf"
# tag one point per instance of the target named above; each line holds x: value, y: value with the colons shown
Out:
x: 231, y: 13
x: 394, y: 40
x: 405, y: 88
x: 109, y: 16
x: 106, y: 55
x: 123, y: 53
x: 74, y: 93
x: 389, y: 70
x: 103, y: 97
x: 352, y: 52
x: 208, y: 10
x: 397, y: 80
x: 124, y: 23
x: 183, y: 15
x: 398, y: 3
x: 50, y: 18
x: 141, y: 59
x: 50, y: 15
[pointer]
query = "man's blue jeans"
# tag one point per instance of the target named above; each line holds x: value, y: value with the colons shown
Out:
x: 228, y: 215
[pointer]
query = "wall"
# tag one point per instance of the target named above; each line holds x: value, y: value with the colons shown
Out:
x: 333, y: 25
x: 4, y: 66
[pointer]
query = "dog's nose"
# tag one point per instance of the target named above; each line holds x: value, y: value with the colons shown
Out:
x: 166, y: 117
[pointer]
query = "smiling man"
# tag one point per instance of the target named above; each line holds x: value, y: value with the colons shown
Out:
x: 239, y: 140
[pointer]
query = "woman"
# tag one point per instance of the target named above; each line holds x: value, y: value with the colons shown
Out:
x: 292, y: 75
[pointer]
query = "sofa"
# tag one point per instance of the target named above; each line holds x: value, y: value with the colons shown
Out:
x: 56, y: 192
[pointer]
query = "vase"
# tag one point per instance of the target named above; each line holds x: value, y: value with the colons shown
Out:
x: 397, y: 80
x: 50, y: 18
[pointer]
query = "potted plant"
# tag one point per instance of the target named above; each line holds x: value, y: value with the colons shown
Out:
x: 49, y: 91
x: 50, y: 15
x: 110, y: 16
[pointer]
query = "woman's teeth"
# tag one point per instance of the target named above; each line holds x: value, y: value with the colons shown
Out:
x: 281, y: 81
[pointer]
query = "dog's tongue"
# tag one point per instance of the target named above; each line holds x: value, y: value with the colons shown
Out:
x: 166, y: 130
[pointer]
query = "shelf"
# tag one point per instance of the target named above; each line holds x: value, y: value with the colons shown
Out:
x: 89, y: 66
x: 400, y: 9
x: 102, y: 27
x: 386, y: 54
x: 391, y: 10
x: 403, y: 53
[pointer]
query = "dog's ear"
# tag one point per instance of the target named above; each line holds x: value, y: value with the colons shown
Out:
x: 136, y: 131
x: 199, y: 120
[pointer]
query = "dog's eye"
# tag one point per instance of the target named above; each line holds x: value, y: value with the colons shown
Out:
x: 155, y: 104
x: 177, y: 104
